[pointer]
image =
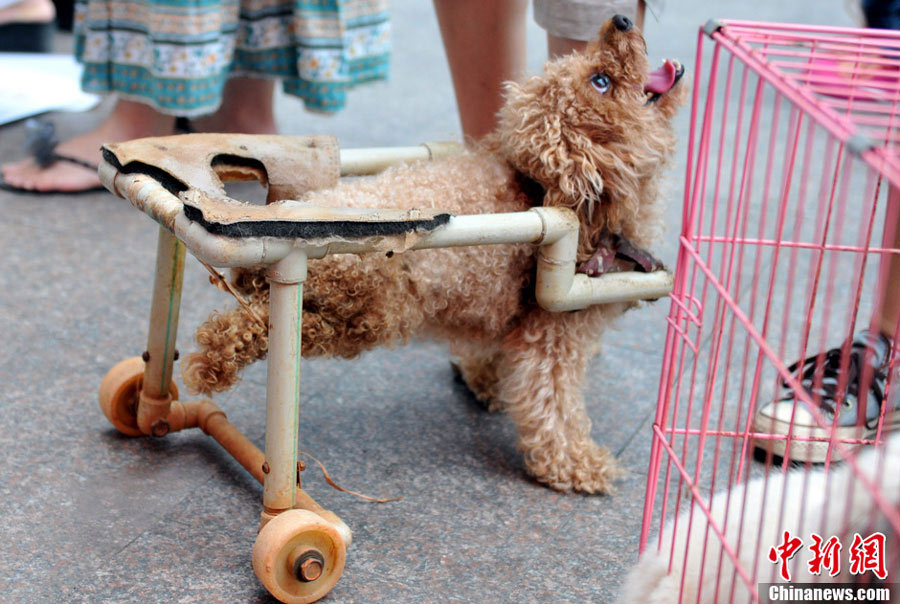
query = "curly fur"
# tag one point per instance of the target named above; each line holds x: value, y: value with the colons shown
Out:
x: 600, y: 154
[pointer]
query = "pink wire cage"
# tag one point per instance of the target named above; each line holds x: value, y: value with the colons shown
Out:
x: 790, y: 209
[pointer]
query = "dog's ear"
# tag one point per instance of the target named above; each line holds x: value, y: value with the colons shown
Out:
x: 547, y: 133
x: 538, y: 136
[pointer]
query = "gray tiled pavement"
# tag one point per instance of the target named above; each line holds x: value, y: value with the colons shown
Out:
x: 89, y: 516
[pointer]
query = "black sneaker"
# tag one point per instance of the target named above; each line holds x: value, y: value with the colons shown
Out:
x: 820, y: 376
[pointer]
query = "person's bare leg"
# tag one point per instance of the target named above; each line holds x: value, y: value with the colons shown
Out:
x: 127, y: 120
x: 485, y: 46
x: 247, y: 107
x: 889, y: 305
x: 27, y: 11
x: 558, y: 46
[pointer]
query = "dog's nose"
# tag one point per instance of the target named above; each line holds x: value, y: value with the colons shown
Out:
x: 622, y: 23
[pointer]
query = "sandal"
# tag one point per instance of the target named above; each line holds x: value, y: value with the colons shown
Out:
x: 41, y: 143
x: 23, y: 36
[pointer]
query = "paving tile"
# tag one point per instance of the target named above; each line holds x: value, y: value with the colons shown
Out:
x: 91, y: 516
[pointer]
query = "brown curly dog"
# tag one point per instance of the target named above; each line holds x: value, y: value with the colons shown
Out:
x: 592, y: 134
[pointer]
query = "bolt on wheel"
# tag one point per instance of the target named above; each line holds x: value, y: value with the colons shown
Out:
x: 298, y: 556
x: 119, y: 393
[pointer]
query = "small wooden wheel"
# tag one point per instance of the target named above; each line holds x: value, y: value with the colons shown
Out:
x: 119, y: 394
x: 298, y: 556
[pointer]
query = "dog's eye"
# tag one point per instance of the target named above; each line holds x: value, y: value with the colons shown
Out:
x: 600, y: 81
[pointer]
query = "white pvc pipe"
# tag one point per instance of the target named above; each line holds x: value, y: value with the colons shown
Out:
x: 485, y: 229
x: 164, y: 308
x: 283, y: 381
x: 558, y: 288
x: 615, y: 287
x: 359, y: 162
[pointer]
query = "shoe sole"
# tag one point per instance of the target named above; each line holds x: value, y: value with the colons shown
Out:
x: 814, y: 451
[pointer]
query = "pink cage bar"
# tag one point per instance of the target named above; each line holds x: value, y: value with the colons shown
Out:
x: 788, y: 236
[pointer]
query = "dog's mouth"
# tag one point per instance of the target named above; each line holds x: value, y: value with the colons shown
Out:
x: 662, y: 80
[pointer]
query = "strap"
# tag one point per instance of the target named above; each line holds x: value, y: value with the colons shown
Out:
x: 41, y: 143
x: 73, y: 160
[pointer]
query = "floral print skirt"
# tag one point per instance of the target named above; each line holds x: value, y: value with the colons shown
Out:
x: 176, y: 55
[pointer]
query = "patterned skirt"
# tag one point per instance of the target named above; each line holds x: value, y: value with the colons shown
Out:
x: 176, y: 55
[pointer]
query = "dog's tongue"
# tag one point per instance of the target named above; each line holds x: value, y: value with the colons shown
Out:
x: 662, y: 79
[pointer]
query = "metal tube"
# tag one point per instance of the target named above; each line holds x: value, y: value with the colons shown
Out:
x: 214, y: 422
x: 207, y: 416
x: 164, y: 308
x: 283, y: 380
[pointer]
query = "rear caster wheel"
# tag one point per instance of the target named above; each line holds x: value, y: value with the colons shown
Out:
x: 119, y: 395
x: 298, y: 557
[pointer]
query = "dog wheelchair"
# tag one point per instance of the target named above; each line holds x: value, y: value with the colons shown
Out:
x: 300, y: 550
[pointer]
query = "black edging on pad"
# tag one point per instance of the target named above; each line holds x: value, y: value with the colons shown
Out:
x: 349, y: 229
x: 169, y: 182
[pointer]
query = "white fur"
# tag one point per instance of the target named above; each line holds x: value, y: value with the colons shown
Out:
x: 834, y: 503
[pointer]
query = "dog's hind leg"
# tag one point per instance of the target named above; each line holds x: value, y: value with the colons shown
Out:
x: 542, y: 375
x: 230, y: 340
x: 349, y: 305
x: 353, y: 304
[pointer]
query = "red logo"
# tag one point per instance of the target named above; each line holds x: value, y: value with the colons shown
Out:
x: 784, y: 552
x: 826, y: 554
x: 868, y: 554
x: 865, y: 554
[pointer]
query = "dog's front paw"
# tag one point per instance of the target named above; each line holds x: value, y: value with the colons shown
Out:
x: 615, y: 253
x: 644, y: 261
x: 591, y: 469
x: 601, y: 262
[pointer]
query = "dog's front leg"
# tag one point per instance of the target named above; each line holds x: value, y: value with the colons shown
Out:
x: 542, y: 375
x: 475, y: 364
x: 616, y: 253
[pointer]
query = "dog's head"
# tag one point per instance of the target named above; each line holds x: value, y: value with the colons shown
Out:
x: 594, y: 129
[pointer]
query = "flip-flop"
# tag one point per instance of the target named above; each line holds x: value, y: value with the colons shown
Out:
x: 184, y: 125
x: 27, y: 37
x: 5, y: 186
x: 41, y: 143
